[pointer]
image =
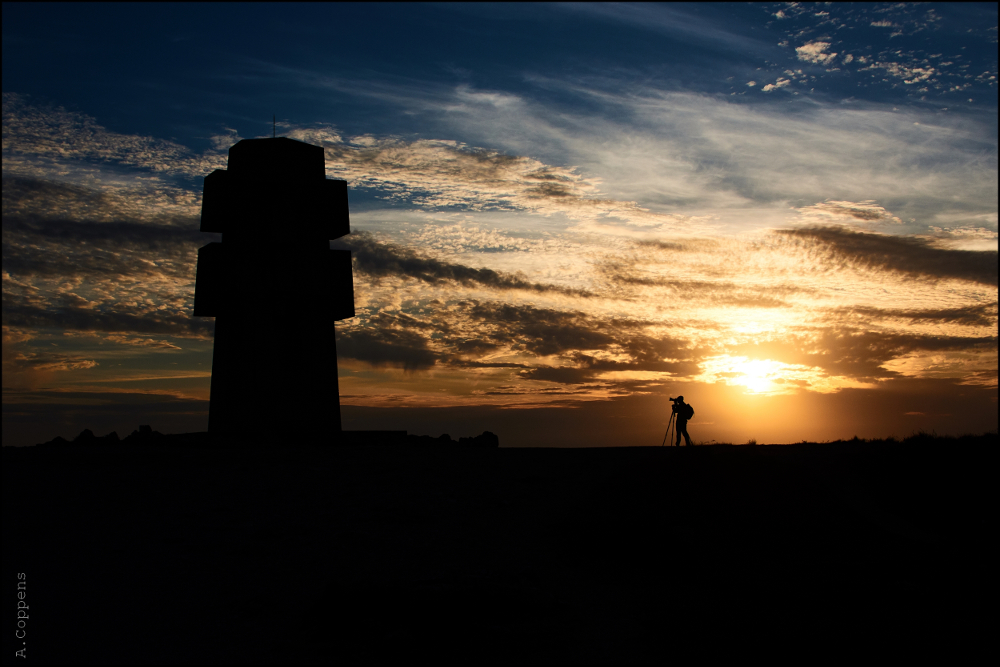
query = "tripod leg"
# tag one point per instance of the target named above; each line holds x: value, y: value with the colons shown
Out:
x: 667, y: 434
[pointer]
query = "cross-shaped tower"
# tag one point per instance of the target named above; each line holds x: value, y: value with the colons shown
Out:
x: 275, y: 288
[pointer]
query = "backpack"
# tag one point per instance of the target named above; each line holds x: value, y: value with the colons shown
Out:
x: 688, y: 411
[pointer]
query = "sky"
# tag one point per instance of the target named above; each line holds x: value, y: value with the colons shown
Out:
x: 562, y: 214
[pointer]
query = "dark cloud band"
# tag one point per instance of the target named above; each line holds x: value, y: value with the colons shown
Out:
x: 80, y: 319
x: 376, y: 259
x: 906, y: 255
x: 982, y: 315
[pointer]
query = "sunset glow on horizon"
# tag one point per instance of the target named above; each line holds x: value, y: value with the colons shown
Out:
x: 788, y: 216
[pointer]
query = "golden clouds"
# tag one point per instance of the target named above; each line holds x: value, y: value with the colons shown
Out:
x: 847, y: 212
x: 534, y: 285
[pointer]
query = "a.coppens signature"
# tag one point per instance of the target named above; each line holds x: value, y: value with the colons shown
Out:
x: 22, y: 612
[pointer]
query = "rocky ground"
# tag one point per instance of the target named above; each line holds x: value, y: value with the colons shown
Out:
x: 380, y: 554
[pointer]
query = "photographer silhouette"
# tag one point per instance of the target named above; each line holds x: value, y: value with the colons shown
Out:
x: 683, y: 413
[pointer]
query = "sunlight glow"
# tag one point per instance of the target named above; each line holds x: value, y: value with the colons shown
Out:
x: 759, y: 376
x: 769, y: 377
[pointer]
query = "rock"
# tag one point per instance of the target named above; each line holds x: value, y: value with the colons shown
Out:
x: 486, y: 439
x: 144, y: 436
x: 86, y: 437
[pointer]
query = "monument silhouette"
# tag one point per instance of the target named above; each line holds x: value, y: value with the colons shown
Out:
x: 276, y: 289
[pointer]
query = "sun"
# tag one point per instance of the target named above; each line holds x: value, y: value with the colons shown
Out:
x: 757, y: 384
x: 758, y: 376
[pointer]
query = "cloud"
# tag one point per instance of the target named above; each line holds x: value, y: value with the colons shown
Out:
x: 981, y: 315
x: 853, y: 212
x: 23, y: 369
x: 673, y: 21
x: 74, y: 257
x: 386, y: 347
x: 493, y: 336
x: 15, y: 336
x: 964, y: 237
x: 19, y: 314
x: 105, y: 199
x: 815, y: 52
x: 629, y: 224
x: 541, y: 331
x: 562, y: 375
x: 465, y: 233
x: 546, y: 332
x: 692, y: 155
x: 33, y: 201
x: 377, y: 259
x: 780, y: 83
x: 461, y: 363
x: 141, y: 342
x: 722, y: 155
x: 442, y: 174
x: 856, y: 353
x: 910, y: 75
x: 704, y: 293
x: 58, y: 135
x: 54, y: 361
x: 904, y: 255
x: 222, y: 142
x: 80, y: 259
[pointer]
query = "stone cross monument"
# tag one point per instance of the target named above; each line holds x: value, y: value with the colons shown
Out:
x: 275, y: 289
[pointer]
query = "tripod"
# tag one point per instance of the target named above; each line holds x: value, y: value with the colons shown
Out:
x: 670, y: 425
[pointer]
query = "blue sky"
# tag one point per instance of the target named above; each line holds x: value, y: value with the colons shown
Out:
x: 558, y: 210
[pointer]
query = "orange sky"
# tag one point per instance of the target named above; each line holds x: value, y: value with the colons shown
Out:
x: 805, y: 248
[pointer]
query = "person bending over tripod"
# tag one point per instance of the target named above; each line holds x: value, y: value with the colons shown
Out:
x: 683, y: 412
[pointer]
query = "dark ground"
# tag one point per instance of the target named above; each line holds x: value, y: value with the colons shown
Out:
x: 633, y: 555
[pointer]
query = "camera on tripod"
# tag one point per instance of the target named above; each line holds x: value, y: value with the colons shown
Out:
x: 681, y: 413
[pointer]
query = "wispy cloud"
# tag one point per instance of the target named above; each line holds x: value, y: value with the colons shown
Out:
x: 32, y: 131
x: 675, y: 21
x: 850, y: 212
x: 386, y: 259
x: 981, y: 315
x: 681, y: 238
